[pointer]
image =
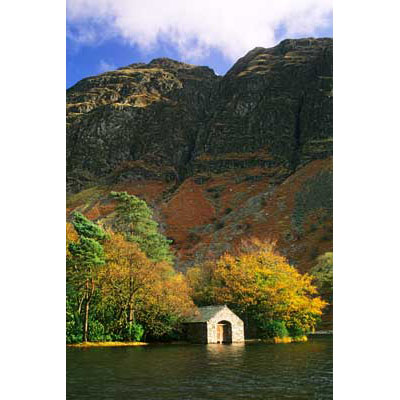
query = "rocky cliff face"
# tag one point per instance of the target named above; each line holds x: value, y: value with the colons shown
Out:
x: 273, y: 108
x: 149, y: 113
x: 218, y: 158
x: 276, y: 100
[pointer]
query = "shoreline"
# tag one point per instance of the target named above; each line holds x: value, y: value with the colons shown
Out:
x: 322, y: 333
x: 275, y: 340
x: 278, y: 340
x: 107, y: 344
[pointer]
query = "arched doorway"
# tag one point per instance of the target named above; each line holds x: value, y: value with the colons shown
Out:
x: 224, y: 332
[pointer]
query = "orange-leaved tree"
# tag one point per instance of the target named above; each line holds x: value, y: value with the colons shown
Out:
x: 127, y: 271
x: 165, y: 304
x: 143, y: 292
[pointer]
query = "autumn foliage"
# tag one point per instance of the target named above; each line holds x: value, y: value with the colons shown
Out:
x: 143, y: 291
x: 261, y: 286
x: 115, y: 291
x: 122, y: 285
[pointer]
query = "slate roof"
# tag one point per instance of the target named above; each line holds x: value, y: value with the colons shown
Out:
x: 205, y: 313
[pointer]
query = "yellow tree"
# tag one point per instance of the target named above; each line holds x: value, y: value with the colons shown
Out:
x: 165, y: 303
x: 71, y: 236
x: 260, y: 284
x: 199, y: 279
x: 126, y: 272
x: 143, y: 291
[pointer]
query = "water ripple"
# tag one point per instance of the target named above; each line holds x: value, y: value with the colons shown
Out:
x: 199, y: 372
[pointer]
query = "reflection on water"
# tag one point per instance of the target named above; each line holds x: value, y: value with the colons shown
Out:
x: 231, y: 350
x: 198, y: 372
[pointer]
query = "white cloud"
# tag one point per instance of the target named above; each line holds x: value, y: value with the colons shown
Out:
x: 194, y: 27
x: 104, y: 66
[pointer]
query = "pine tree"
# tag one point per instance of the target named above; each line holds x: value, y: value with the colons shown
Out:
x: 84, y: 256
x: 135, y: 219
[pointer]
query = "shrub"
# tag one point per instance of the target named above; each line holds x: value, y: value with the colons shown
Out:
x: 271, y: 329
x: 296, y: 330
x: 133, y: 332
x: 74, y: 332
x: 73, y: 324
x: 97, y: 331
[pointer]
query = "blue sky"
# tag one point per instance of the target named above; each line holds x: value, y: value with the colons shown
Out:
x: 88, y: 60
x: 104, y: 35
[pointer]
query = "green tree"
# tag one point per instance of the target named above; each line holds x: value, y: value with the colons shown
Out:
x: 84, y: 256
x: 135, y: 219
x: 323, y: 274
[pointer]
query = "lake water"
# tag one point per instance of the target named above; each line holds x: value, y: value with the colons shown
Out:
x: 198, y: 372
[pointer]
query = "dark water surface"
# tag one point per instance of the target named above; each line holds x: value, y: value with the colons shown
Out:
x: 251, y: 371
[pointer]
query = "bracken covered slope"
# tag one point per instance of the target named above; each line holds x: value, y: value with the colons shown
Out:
x: 218, y: 158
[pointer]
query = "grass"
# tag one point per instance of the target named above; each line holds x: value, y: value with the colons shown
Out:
x: 85, y: 196
x: 107, y: 344
x: 135, y: 71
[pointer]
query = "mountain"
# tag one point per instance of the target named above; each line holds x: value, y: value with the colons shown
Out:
x: 219, y: 158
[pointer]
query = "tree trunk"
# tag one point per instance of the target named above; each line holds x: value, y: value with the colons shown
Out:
x: 88, y: 297
x: 86, y: 321
x: 131, y: 312
x: 80, y: 305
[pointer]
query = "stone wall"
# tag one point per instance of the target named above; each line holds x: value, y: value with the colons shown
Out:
x: 206, y: 332
x: 236, y: 324
x: 196, y: 332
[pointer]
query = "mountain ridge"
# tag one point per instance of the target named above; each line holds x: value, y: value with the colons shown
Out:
x: 219, y: 158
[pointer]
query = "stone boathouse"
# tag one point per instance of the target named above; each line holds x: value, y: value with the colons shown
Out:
x: 215, y: 324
